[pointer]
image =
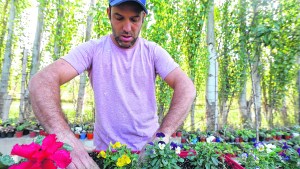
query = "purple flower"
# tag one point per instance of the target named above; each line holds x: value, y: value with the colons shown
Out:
x: 298, y: 150
x: 161, y: 135
x: 244, y: 156
x: 284, y: 156
x: 260, y: 146
x: 161, y: 142
x: 151, y: 143
x: 173, y: 145
x: 285, y: 146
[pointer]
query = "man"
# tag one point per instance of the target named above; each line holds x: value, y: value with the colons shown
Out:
x: 122, y: 68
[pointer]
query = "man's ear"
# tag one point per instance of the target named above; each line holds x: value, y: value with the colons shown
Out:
x: 108, y: 11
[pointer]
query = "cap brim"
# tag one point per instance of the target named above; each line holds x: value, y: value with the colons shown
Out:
x: 116, y: 3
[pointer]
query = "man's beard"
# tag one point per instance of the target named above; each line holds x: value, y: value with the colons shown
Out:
x: 117, y: 38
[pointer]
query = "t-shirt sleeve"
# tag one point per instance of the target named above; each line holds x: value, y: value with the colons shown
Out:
x: 81, y: 56
x: 164, y: 63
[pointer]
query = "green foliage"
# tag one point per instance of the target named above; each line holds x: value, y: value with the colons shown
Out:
x: 207, y: 156
x: 101, y: 21
x: 6, y: 161
x: 161, y: 155
x: 269, y: 156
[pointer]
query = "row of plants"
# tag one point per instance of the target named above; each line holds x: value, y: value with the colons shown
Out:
x: 83, y: 131
x: 277, y: 154
x: 12, y: 128
x: 241, y: 135
x: 18, y: 129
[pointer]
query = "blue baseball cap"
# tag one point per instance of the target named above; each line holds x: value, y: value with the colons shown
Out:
x: 118, y: 2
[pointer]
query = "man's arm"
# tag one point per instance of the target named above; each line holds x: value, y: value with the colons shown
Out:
x: 183, y: 97
x: 44, y: 89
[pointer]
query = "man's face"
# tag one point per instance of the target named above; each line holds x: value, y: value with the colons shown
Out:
x: 126, y: 22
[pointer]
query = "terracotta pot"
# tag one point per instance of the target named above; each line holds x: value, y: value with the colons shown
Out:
x: 178, y: 134
x: 19, y: 134
x: 43, y: 133
x: 90, y: 136
x: 32, y: 134
x: 77, y: 135
x: 278, y: 137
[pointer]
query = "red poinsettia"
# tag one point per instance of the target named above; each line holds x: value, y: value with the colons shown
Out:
x: 49, y: 155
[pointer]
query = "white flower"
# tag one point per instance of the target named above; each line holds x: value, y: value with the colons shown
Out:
x: 260, y: 146
x: 161, y: 146
x: 270, y: 147
x: 210, y: 139
x: 177, y: 150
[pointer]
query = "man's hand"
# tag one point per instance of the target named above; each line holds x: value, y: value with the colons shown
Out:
x: 79, y: 154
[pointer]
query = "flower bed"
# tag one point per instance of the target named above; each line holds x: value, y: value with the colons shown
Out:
x: 158, y: 154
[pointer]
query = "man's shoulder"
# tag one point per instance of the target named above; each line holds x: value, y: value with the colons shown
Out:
x: 101, y: 40
x: 148, y: 43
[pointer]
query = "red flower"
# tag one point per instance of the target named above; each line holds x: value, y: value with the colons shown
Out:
x: 48, y: 155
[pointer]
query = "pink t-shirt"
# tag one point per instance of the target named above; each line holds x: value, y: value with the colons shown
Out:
x: 123, y: 81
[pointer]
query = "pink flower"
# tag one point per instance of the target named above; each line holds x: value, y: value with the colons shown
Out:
x: 48, y: 155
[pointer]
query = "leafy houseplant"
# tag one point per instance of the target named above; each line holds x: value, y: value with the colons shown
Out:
x: 206, y: 156
x: 20, y: 128
x: 161, y: 155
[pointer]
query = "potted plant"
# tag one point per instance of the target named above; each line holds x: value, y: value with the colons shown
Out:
x: 90, y: 132
x: 19, y: 132
x: 159, y: 154
x: 2, y: 132
x: 206, y: 156
x: 10, y: 131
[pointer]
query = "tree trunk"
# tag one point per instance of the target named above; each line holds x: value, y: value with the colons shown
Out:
x: 58, y: 28
x: 298, y: 86
x: 212, y: 86
x: 193, y: 116
x: 35, y: 54
x: 284, y: 112
x: 224, y: 112
x: 4, y: 26
x: 81, y: 92
x: 22, y: 115
x: 7, y: 58
x: 243, y: 105
x: 256, y: 80
x: 161, y: 110
x: 6, y: 107
x: 37, y: 41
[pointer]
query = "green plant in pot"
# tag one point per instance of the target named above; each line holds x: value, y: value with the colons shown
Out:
x: 206, y: 156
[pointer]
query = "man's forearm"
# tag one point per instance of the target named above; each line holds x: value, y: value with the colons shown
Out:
x: 183, y: 97
x: 45, y: 99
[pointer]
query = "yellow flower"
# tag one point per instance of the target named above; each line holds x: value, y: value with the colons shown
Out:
x: 102, y: 154
x: 123, y: 160
x: 116, y: 145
